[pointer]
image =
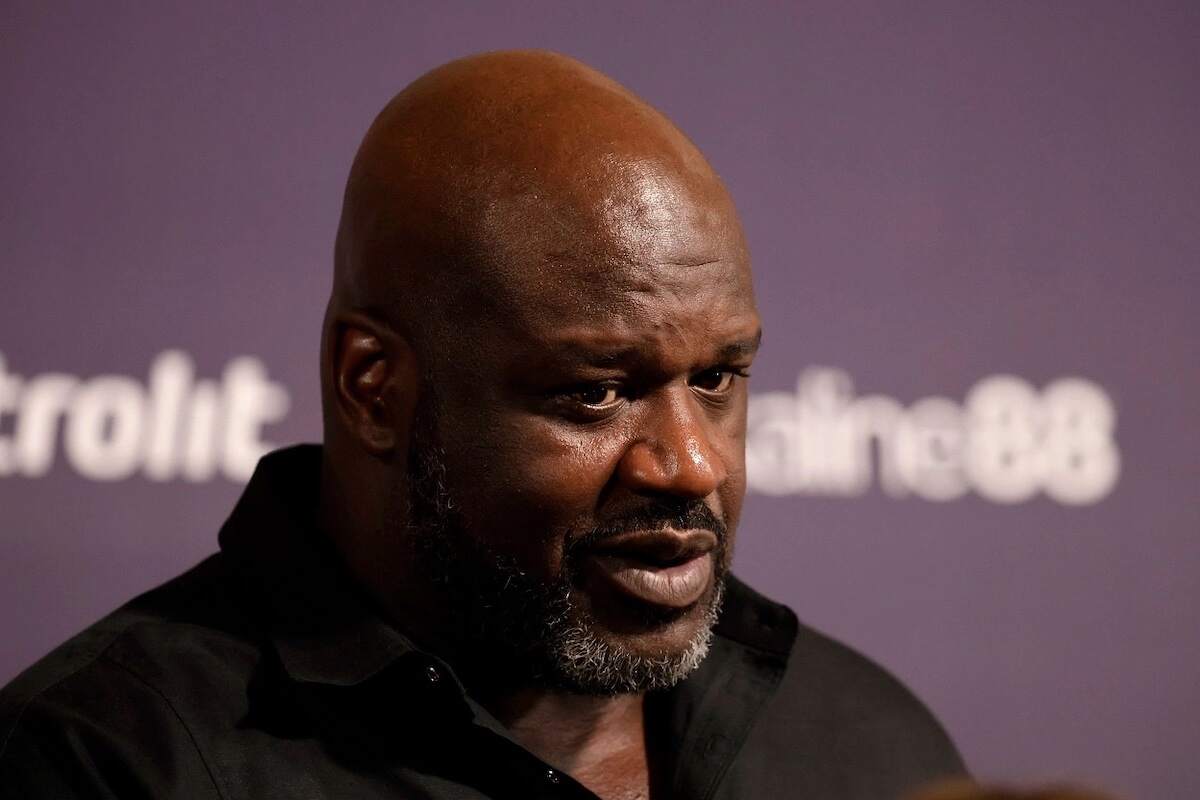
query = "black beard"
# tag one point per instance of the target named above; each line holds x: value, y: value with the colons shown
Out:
x: 519, y: 629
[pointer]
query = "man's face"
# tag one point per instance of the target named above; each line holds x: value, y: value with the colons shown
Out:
x: 579, y: 455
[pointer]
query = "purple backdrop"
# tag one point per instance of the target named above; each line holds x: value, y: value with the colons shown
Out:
x: 935, y: 195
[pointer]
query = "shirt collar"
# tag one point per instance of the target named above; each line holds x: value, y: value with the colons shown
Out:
x: 324, y: 628
x: 751, y: 620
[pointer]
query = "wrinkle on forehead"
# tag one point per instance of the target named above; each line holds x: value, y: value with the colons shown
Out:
x: 632, y: 311
x: 655, y: 217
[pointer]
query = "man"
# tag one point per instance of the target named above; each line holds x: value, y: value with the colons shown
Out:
x: 505, y: 574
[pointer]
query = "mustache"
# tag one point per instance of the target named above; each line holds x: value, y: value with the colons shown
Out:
x: 660, y: 514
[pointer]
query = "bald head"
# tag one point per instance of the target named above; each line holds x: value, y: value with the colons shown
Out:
x: 511, y: 165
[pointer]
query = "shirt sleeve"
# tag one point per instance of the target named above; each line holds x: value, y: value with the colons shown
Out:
x: 101, y: 733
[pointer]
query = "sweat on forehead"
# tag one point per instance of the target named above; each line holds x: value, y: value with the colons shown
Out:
x: 507, y: 166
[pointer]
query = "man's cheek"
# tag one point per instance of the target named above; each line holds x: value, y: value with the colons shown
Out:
x: 526, y: 503
x: 732, y: 494
x: 558, y: 490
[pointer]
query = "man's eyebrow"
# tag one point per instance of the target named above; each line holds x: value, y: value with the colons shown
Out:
x: 743, y: 348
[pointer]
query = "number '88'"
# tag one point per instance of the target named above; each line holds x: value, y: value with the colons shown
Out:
x: 1059, y: 440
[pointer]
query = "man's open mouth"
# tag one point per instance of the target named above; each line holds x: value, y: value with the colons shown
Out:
x: 666, y: 568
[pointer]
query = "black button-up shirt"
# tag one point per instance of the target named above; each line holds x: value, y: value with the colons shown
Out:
x: 265, y: 672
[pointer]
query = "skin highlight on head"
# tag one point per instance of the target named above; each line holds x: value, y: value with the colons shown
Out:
x: 533, y: 360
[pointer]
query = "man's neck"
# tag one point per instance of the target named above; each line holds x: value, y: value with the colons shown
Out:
x: 598, y: 741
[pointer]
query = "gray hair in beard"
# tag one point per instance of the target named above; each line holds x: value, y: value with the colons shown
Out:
x: 511, y: 622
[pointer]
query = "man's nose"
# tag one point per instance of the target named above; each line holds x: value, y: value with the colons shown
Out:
x: 675, y: 453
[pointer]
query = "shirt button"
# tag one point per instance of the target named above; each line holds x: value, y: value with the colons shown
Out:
x: 552, y: 777
x: 432, y: 674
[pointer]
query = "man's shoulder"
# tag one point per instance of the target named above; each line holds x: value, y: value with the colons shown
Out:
x: 162, y: 646
x: 825, y: 679
x: 830, y: 681
x: 846, y: 714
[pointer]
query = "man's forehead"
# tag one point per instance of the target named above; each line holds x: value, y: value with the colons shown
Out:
x: 624, y: 312
x: 598, y: 278
x: 644, y: 231
x: 634, y: 212
x: 662, y: 216
x: 656, y: 275
x: 729, y: 339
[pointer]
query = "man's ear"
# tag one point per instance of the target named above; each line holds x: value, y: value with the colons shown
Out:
x: 374, y: 381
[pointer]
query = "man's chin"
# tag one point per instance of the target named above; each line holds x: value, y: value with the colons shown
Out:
x: 648, y: 630
x: 628, y: 648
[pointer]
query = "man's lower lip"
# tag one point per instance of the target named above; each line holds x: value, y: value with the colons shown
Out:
x: 676, y: 586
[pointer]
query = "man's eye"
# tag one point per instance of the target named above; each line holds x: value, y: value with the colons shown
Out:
x: 714, y: 381
x: 597, y: 397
